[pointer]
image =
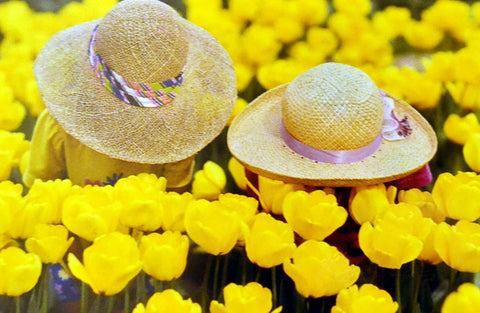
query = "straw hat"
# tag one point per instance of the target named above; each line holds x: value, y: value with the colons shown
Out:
x: 331, y: 126
x: 144, y: 45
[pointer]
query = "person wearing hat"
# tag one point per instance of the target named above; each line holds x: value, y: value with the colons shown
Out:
x: 333, y: 127
x: 140, y: 90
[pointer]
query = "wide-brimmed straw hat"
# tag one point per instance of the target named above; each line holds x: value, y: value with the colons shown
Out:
x: 141, y: 84
x: 331, y: 126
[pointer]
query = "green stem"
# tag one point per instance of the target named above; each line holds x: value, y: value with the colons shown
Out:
x: 157, y: 285
x: 244, y: 267
x: 453, y: 280
x: 324, y: 305
x: 45, y: 284
x: 224, y: 275
x: 110, y: 304
x: 141, y: 296
x: 257, y: 275
x: 300, y: 303
x: 274, y: 286
x: 398, y: 292
x: 206, y: 276
x: 96, y: 304
x: 172, y: 284
x: 18, y: 304
x: 126, y: 299
x: 416, y: 279
x: 84, y: 298
x: 215, y: 277
x: 33, y: 302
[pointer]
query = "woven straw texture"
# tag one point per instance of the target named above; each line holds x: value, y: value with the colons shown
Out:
x: 333, y: 108
x: 254, y: 139
x: 145, y: 41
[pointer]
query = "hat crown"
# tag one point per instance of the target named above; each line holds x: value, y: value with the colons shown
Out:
x: 333, y: 107
x: 143, y: 41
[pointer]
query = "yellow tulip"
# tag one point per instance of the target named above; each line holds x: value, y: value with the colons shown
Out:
x: 471, y: 152
x: 393, y: 240
x: 460, y: 129
x: 49, y: 242
x: 313, y: 215
x: 459, y: 245
x: 27, y: 217
x: 50, y: 195
x: 426, y: 233
x: 279, y: 72
x: 466, y: 300
x: 139, y: 196
x: 12, y: 112
x: 244, y: 74
x: 313, y: 12
x: 439, y: 15
x: 15, y: 143
x: 465, y: 94
x: 168, y: 301
x: 245, y: 207
x: 240, y: 104
x: 269, y: 241
x: 11, y: 202
x: 411, y: 78
x: 357, y: 7
x: 108, y: 264
x: 91, y: 212
x: 6, y: 241
x: 389, y: 21
x: 164, y: 256
x: 253, y: 298
x: 19, y: 271
x: 6, y: 161
x: 407, y: 219
x: 260, y: 44
x: 209, y: 182
x: 320, y: 270
x: 458, y: 196
x: 368, y: 298
x: 421, y: 35
x: 272, y: 192
x: 368, y: 203
x: 238, y: 173
x: 424, y: 201
x: 211, y: 226
x: 348, y: 27
x: 323, y: 40
x: 440, y: 67
x: 173, y: 206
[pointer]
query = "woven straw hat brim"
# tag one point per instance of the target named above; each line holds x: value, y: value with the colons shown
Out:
x: 94, y: 116
x: 254, y: 140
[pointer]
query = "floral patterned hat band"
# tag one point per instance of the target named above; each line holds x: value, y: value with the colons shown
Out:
x: 134, y: 93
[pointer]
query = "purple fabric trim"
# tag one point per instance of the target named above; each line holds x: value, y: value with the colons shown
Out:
x: 329, y: 156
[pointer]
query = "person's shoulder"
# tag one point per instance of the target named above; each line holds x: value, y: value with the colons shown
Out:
x: 45, y: 120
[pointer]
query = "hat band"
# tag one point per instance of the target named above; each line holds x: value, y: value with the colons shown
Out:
x: 131, y: 92
x: 393, y: 129
x: 329, y: 156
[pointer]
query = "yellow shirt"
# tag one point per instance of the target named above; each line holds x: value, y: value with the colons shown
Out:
x: 55, y: 154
